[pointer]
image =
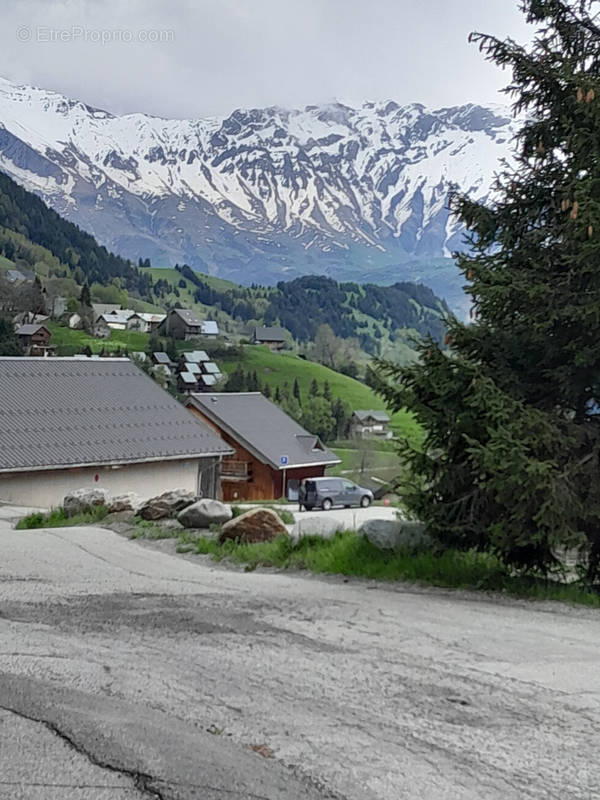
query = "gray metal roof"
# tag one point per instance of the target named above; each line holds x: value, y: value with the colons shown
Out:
x: 188, y: 316
x: 378, y: 416
x: 273, y: 334
x: 263, y: 429
x: 30, y: 329
x: 65, y: 412
x: 210, y: 328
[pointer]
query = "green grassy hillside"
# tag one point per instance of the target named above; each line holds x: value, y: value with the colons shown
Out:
x: 276, y: 368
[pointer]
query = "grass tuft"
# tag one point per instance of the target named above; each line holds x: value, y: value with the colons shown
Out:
x: 56, y: 518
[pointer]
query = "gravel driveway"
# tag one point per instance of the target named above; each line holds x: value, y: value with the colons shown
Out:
x: 127, y: 672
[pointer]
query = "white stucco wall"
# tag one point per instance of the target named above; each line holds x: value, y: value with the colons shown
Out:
x: 46, y: 489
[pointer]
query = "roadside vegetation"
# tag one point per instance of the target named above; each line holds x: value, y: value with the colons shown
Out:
x: 349, y: 554
x: 57, y: 518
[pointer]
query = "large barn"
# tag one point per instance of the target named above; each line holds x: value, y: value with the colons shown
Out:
x: 69, y: 423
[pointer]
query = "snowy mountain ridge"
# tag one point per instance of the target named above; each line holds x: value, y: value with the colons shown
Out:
x: 260, y: 194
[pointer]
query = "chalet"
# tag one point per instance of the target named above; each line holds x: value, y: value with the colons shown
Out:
x: 272, y: 452
x: 18, y: 276
x: 117, y: 320
x: 273, y: 338
x: 29, y: 318
x: 35, y: 339
x: 195, y: 357
x: 365, y: 424
x: 162, y: 358
x: 187, y: 382
x: 145, y: 323
x: 72, y: 423
x: 181, y: 323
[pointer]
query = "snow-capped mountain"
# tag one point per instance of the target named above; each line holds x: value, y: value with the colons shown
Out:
x: 262, y: 194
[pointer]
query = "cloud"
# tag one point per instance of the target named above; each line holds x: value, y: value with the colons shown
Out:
x: 200, y: 57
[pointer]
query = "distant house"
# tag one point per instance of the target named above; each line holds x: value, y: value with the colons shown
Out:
x: 272, y: 452
x: 35, y: 339
x: 145, y: 323
x: 117, y: 320
x: 72, y: 423
x: 195, y: 357
x: 273, y: 337
x: 187, y: 382
x: 29, y: 318
x: 17, y: 276
x: 182, y: 323
x: 364, y: 424
x: 104, y: 308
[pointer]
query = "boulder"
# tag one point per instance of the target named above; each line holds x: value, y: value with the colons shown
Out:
x: 389, y: 534
x: 167, y: 505
x: 83, y: 500
x: 324, y: 527
x: 124, y: 502
x: 205, y: 513
x: 256, y: 525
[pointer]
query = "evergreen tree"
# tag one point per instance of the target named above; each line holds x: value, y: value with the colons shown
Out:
x: 512, y: 448
x: 285, y: 391
x: 341, y: 414
x: 171, y: 349
x: 267, y: 390
x: 9, y: 343
x: 277, y: 395
x: 314, y: 388
x: 85, y: 297
x: 317, y: 417
x: 296, y: 391
x: 327, y: 391
x: 237, y: 381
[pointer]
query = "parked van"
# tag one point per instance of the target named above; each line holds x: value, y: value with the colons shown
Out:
x: 328, y: 492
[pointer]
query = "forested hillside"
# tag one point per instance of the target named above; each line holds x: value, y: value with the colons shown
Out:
x: 367, y: 313
x: 85, y: 260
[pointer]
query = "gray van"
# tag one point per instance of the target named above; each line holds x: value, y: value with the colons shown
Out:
x: 328, y: 492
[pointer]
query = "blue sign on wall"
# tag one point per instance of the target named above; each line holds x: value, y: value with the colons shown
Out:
x: 284, y: 461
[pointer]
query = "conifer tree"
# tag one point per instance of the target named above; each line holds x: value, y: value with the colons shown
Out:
x: 313, y: 390
x: 296, y: 391
x: 511, y: 456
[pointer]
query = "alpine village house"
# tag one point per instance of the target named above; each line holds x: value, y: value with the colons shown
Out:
x: 271, y: 452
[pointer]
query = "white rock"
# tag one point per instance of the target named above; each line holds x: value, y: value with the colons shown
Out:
x: 205, y: 513
x: 324, y: 527
x: 389, y: 534
x: 81, y: 501
x: 124, y: 502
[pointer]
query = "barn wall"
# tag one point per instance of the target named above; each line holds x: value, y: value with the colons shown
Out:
x: 46, y: 489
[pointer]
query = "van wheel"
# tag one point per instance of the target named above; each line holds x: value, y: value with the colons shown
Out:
x: 327, y: 504
x: 365, y: 502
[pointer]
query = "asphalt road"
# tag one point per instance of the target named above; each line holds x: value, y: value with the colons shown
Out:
x: 127, y: 672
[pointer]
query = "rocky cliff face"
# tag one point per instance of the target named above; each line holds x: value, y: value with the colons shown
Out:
x: 263, y: 194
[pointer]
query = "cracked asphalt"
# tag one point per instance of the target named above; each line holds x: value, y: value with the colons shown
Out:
x: 129, y: 672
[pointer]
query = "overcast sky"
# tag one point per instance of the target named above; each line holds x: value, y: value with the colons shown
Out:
x: 217, y: 55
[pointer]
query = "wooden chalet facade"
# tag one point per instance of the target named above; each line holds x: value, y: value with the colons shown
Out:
x: 35, y: 339
x: 272, y: 453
